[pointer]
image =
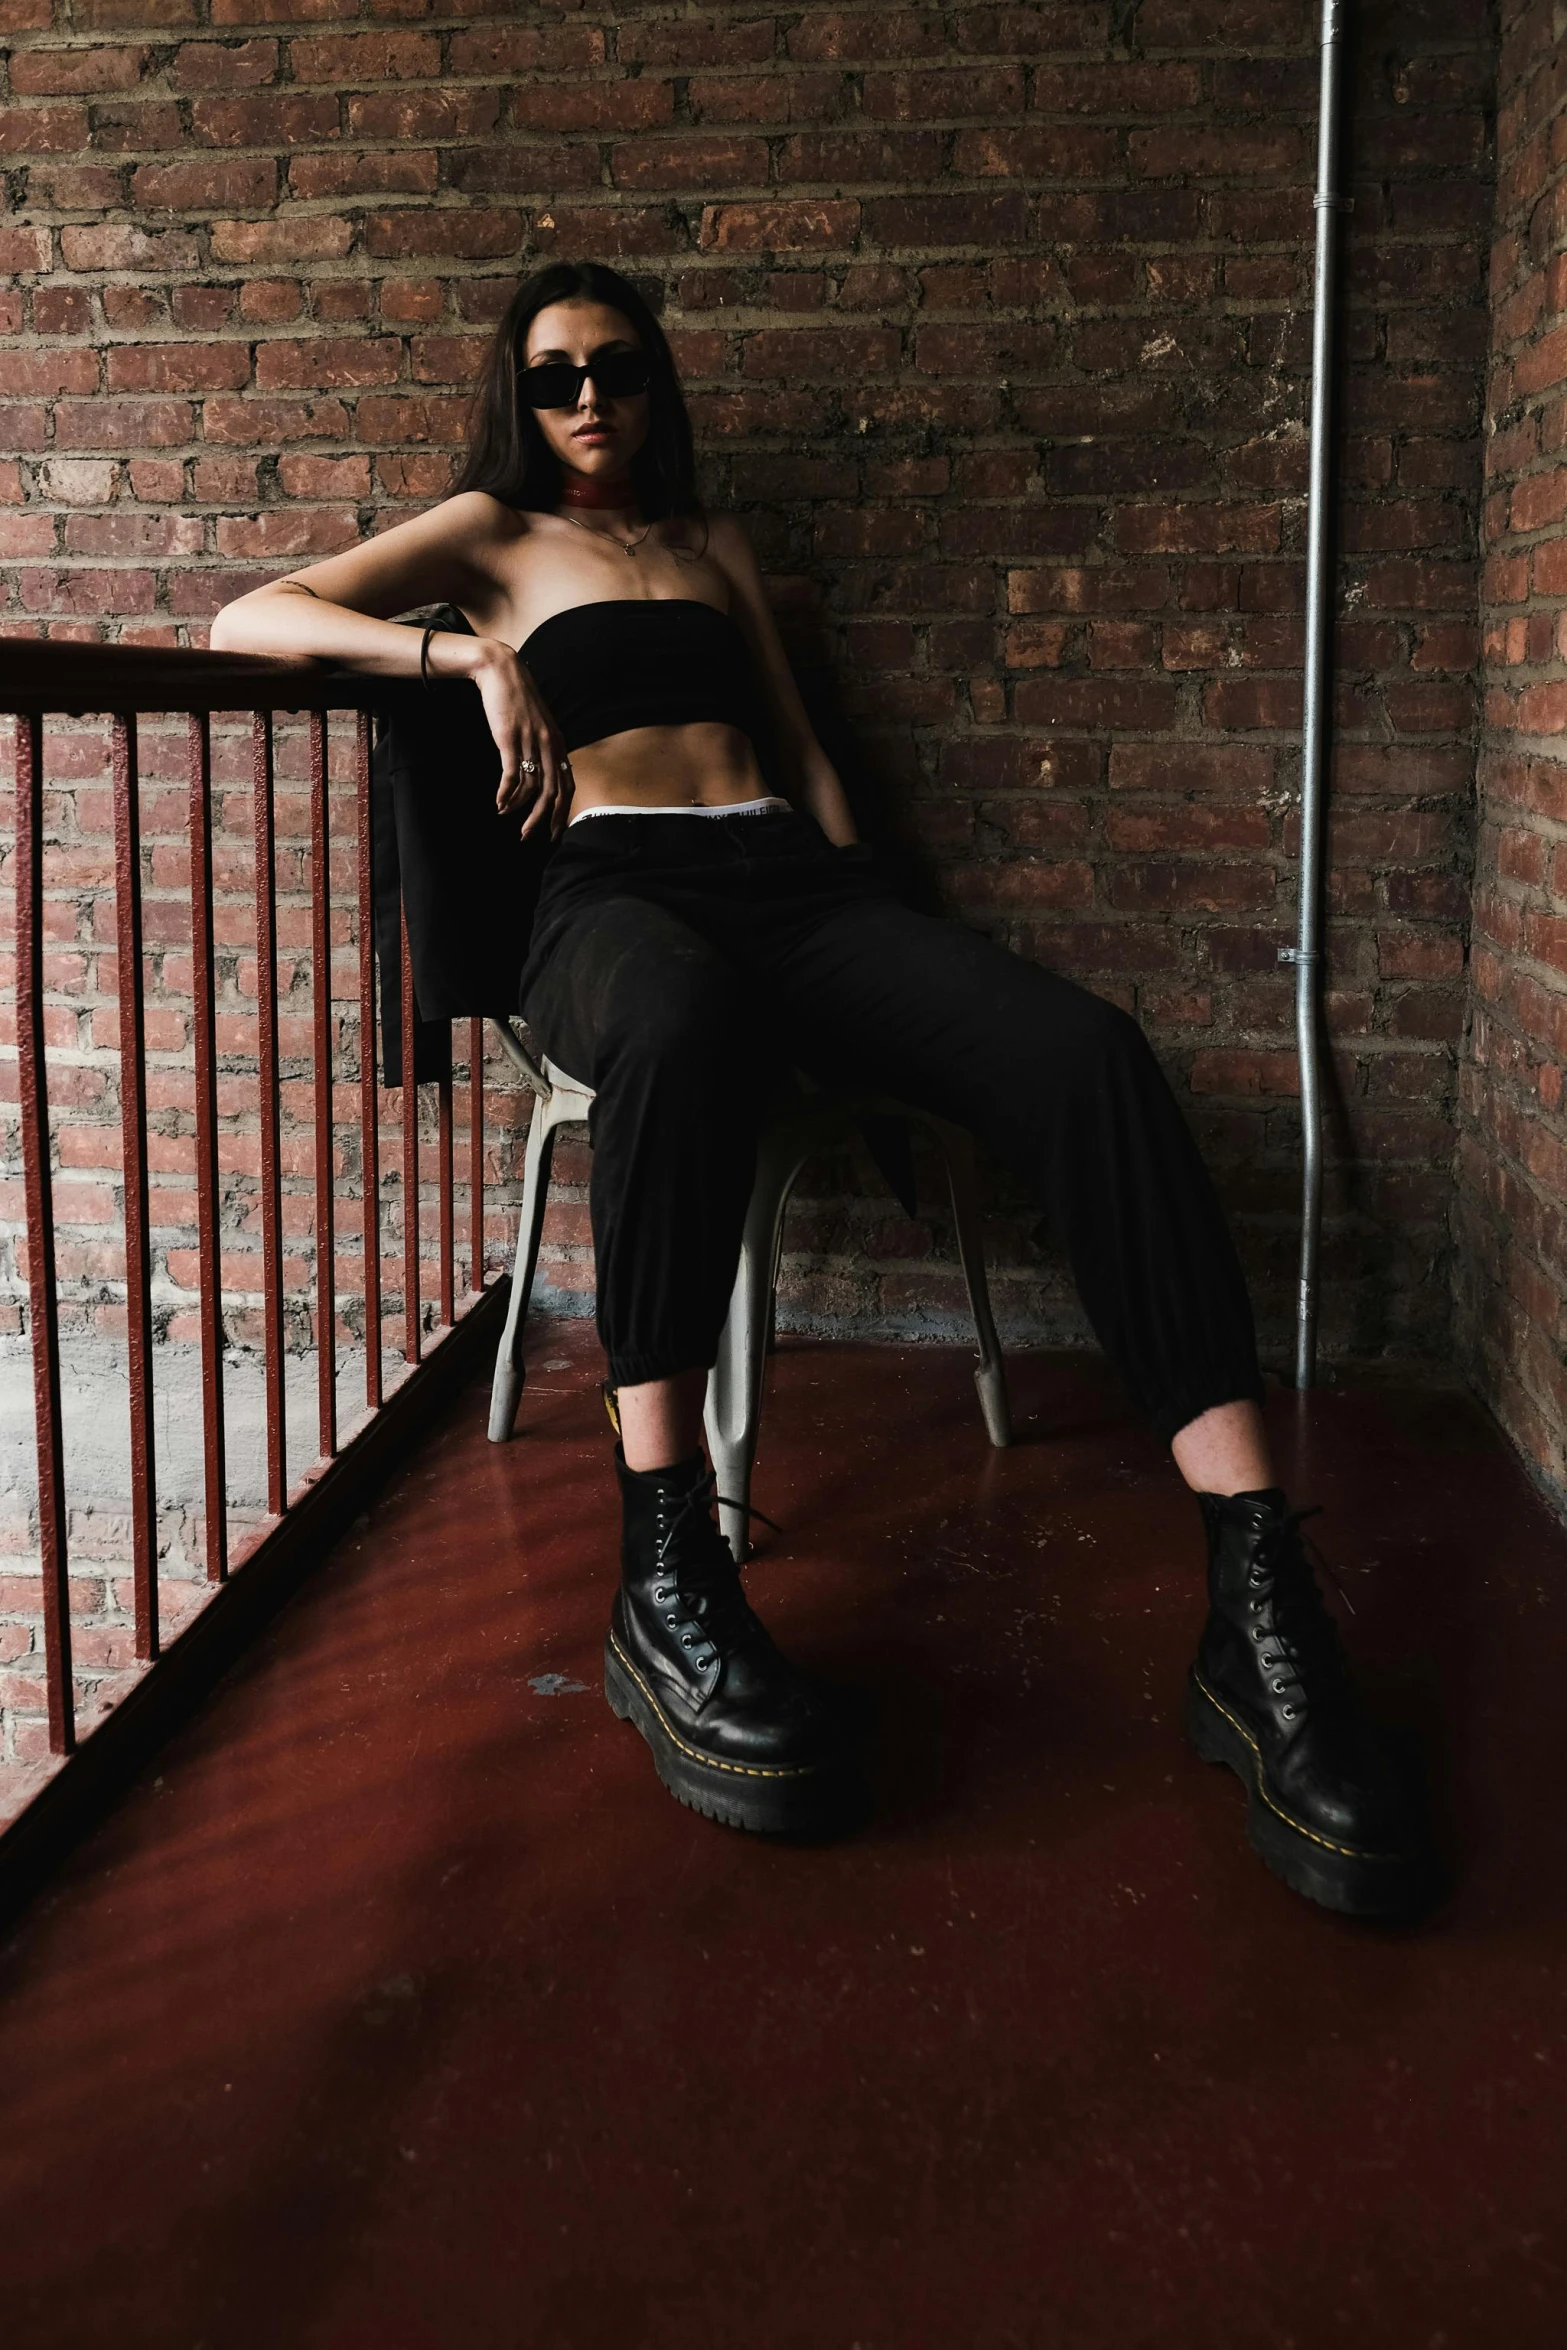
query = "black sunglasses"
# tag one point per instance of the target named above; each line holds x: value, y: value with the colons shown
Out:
x: 557, y: 384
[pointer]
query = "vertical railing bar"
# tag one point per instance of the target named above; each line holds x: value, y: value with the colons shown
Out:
x: 33, y: 1085
x: 209, y: 1244
x: 267, y: 1066
x: 133, y: 1132
x: 410, y: 1108
x: 476, y: 1153
x: 321, y: 952
x: 448, y: 1218
x: 369, y: 1108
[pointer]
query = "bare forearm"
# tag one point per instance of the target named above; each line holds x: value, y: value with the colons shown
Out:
x: 292, y: 624
x: 812, y: 783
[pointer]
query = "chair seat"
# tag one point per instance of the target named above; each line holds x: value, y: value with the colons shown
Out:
x: 803, y: 1120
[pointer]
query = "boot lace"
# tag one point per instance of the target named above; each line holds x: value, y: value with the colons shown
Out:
x: 1299, y: 1648
x: 697, y: 1571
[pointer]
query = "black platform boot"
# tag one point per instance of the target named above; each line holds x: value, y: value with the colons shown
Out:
x: 1270, y: 1694
x: 736, y: 1731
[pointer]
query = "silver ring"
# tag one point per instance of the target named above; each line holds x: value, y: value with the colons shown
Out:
x: 530, y: 767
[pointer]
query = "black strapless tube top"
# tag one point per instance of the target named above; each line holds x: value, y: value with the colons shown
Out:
x: 626, y: 661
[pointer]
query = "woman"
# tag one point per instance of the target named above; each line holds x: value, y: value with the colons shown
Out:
x: 692, y: 928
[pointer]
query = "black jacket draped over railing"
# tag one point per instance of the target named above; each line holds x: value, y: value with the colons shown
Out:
x: 441, y: 850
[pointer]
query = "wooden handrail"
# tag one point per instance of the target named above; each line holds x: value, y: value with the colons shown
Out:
x: 39, y: 675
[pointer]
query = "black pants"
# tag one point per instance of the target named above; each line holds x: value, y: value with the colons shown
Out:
x: 676, y: 958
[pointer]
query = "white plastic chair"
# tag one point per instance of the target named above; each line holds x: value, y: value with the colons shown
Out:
x: 802, y: 1123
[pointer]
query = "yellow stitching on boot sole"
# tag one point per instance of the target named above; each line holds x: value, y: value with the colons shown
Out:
x: 1350, y: 1851
x: 710, y: 1761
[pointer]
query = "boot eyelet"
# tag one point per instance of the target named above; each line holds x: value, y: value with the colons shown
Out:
x: 1288, y: 1712
x: 671, y: 1619
x: 1278, y: 1691
x: 685, y: 1640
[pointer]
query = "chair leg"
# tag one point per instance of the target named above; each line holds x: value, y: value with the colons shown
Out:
x: 990, y: 1372
x: 506, y: 1387
x: 734, y: 1385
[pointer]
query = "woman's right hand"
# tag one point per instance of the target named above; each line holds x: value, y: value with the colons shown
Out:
x: 534, y: 765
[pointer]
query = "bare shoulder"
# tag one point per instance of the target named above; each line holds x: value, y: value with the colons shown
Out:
x: 463, y: 529
x: 726, y: 535
x: 476, y: 518
x: 730, y: 548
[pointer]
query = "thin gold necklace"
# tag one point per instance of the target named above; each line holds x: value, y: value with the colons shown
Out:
x: 630, y: 545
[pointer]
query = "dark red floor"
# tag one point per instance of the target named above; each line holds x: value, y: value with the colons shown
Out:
x: 404, y: 2008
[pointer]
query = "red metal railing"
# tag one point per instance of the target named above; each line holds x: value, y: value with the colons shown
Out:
x: 41, y: 679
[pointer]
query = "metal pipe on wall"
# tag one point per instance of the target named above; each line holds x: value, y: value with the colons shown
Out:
x: 1306, y: 954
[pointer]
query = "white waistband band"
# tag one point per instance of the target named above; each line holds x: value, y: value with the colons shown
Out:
x: 635, y: 808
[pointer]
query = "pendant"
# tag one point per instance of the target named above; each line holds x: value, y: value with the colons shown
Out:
x: 630, y: 546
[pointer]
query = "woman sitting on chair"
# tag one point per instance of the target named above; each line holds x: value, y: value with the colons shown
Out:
x: 691, y: 929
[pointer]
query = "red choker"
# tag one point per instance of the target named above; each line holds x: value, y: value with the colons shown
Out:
x: 592, y: 489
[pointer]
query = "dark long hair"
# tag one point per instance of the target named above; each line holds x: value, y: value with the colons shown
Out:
x: 508, y: 454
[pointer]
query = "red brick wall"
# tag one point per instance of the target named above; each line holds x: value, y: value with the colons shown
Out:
x: 994, y: 320
x: 1513, y: 1157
